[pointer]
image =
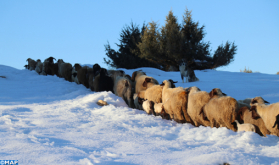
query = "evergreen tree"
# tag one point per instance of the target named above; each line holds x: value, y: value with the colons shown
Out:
x: 126, y: 56
x: 192, y: 47
x: 224, y: 55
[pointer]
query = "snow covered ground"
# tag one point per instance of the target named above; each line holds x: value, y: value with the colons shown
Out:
x: 47, y: 120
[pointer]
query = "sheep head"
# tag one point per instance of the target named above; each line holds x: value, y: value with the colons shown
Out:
x: 172, y: 83
x: 216, y: 92
x: 258, y: 100
x: 77, y: 66
x: 136, y: 74
x: 147, y: 80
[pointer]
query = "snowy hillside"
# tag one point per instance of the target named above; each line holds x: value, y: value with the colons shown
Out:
x: 47, y: 120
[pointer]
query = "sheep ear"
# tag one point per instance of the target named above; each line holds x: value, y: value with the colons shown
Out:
x: 276, y: 122
x: 255, y: 115
x: 163, y: 84
x: 266, y: 102
x: 224, y: 94
x: 146, y: 81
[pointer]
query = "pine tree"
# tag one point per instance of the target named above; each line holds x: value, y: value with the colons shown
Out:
x: 126, y: 56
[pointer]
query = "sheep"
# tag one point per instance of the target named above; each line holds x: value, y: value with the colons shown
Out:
x: 137, y: 74
x: 50, y: 60
x: 148, y: 107
x: 74, y: 73
x: 103, y: 82
x: 39, y: 67
x: 96, y: 69
x: 221, y: 112
x: 49, y: 67
x: 92, y: 73
x: 143, y: 82
x: 268, y: 113
x: 176, y: 107
x: 244, y: 127
x: 123, y: 88
x: 65, y: 70
x: 158, y: 108
x: 245, y: 101
x: 154, y: 93
x: 31, y: 63
x: 196, y: 100
x: 216, y: 92
x: 168, y: 89
x: 258, y: 100
x: 244, y: 115
x: 136, y: 102
x: 115, y: 73
x: 83, y: 77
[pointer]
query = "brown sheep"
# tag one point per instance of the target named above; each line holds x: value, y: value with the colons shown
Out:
x: 123, y: 88
x: 176, y: 107
x: 31, y: 63
x: 137, y: 74
x: 197, y: 99
x: 65, y: 70
x: 221, y: 112
x: 216, y: 92
x: 268, y: 113
x: 143, y: 82
x: 245, y: 116
x: 154, y: 93
x: 83, y: 77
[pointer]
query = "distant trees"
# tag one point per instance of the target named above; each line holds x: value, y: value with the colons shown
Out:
x: 167, y: 45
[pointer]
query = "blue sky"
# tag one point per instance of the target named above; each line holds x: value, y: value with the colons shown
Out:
x: 77, y: 31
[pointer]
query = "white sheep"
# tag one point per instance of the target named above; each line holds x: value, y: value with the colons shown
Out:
x: 148, y: 107
x: 247, y: 127
x: 246, y: 116
x: 168, y: 89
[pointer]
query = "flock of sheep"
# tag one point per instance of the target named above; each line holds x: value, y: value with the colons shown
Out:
x: 184, y: 105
